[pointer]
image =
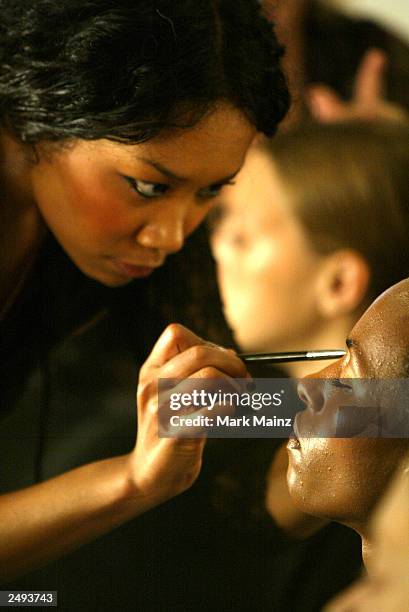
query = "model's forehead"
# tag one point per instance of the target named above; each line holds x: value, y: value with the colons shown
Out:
x: 383, y: 331
x: 390, y: 311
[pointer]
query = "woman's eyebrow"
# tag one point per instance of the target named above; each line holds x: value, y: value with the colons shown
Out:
x: 162, y: 169
x: 181, y: 179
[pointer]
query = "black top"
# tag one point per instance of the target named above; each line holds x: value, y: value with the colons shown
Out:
x: 212, y: 548
x: 56, y: 300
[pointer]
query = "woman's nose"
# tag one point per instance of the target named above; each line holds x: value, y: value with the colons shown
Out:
x: 311, y: 392
x: 165, y: 234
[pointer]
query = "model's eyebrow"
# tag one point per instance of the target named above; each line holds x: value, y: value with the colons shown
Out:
x: 181, y: 179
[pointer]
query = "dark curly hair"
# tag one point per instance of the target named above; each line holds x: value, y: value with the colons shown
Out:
x: 127, y: 69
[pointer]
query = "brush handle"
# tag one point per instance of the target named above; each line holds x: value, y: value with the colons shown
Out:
x: 292, y: 356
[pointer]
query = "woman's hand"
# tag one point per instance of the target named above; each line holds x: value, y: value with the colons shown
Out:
x: 49, y: 519
x: 164, y: 467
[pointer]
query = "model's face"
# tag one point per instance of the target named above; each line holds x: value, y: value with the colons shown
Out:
x: 266, y: 268
x: 118, y: 210
x: 342, y: 478
x: 386, y: 587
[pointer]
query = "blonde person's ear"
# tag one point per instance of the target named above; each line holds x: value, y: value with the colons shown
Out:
x: 342, y: 283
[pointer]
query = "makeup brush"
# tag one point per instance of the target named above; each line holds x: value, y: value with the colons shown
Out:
x: 272, y: 358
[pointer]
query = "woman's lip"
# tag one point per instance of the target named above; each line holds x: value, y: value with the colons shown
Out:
x: 134, y: 271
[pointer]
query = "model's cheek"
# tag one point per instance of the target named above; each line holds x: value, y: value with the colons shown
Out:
x: 308, y: 462
x: 318, y: 475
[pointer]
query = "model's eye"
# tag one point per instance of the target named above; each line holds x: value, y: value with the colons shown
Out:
x: 336, y: 382
x: 146, y: 189
x: 213, y: 190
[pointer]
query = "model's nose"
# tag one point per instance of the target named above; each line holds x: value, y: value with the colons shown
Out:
x: 311, y: 392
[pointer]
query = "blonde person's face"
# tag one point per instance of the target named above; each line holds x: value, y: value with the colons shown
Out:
x: 386, y: 588
x: 266, y: 267
x: 119, y: 210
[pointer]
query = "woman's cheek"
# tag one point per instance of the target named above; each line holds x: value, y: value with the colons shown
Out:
x: 109, y: 217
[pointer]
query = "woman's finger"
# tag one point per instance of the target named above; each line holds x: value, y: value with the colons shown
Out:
x: 201, y: 356
x: 175, y: 339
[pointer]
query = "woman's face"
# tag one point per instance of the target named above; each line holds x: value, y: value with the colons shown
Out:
x: 118, y: 210
x: 342, y: 478
x: 266, y: 267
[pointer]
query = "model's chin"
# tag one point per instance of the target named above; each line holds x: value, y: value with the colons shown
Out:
x: 292, y: 476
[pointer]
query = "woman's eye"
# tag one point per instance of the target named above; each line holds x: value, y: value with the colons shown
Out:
x: 146, y: 189
x: 213, y: 190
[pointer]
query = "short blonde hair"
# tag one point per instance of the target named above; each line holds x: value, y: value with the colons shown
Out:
x: 349, y: 187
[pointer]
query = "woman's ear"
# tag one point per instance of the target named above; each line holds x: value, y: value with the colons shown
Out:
x: 342, y: 283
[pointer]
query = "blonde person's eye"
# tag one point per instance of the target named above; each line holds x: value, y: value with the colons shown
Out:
x: 213, y: 190
x: 146, y: 189
x: 238, y: 239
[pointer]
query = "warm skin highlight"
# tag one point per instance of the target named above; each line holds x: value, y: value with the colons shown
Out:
x: 117, y: 212
x: 86, y: 194
x: 278, y: 292
x: 342, y: 479
x: 386, y: 586
x: 288, y: 236
x: 119, y: 125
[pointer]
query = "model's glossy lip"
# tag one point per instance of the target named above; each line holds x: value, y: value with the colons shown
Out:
x: 294, y: 441
x: 295, y: 426
x: 135, y: 271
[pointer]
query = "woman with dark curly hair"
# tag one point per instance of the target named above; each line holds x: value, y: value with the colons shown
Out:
x: 121, y: 121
